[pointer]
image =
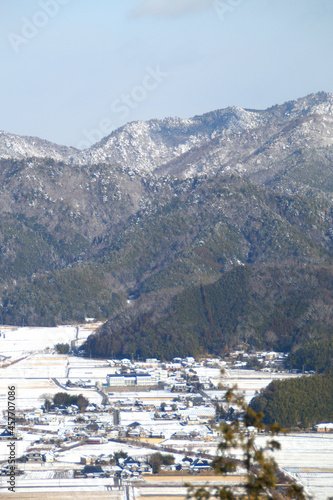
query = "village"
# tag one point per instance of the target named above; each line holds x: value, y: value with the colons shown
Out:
x: 141, y: 428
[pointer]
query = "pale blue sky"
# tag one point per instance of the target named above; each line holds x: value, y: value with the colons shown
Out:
x: 73, y: 70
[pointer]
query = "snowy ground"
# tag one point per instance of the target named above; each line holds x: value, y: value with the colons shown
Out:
x: 16, y: 342
x: 308, y: 458
x: 73, y: 456
x: 30, y: 368
x: 249, y: 381
x: 190, y: 445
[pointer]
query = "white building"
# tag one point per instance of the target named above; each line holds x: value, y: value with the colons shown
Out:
x: 132, y: 379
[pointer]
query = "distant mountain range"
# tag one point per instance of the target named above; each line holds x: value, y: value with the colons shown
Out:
x: 260, y: 144
x: 167, y: 213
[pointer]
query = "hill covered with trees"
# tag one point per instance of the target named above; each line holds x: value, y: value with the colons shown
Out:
x: 263, y: 307
x: 297, y: 402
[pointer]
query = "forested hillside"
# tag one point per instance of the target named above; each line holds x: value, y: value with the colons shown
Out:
x: 298, y: 402
x: 267, y: 308
x: 304, y: 401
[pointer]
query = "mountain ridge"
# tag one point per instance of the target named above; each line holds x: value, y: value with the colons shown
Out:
x: 149, y: 147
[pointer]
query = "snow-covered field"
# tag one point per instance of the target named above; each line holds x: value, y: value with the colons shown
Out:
x: 30, y: 392
x: 30, y: 369
x: 16, y: 342
x: 308, y: 458
x: 248, y: 381
x: 74, y: 456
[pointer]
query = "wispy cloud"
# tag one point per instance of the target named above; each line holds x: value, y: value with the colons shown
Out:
x: 168, y: 8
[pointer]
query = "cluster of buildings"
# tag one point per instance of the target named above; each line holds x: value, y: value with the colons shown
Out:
x: 129, y: 467
x: 150, y: 406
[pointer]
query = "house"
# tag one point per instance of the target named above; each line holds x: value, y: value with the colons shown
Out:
x: 145, y: 468
x: 48, y: 457
x: 179, y: 387
x: 325, y: 427
x: 95, y: 460
x: 96, y: 440
x: 6, y: 435
x: 179, y: 435
x: 34, y: 456
x: 92, y: 471
x: 131, y: 465
x: 200, y: 464
x: 90, y: 408
x: 136, y: 433
x: 88, y: 459
x: 152, y: 361
x: 92, y: 427
x: 192, y: 419
x: 156, y: 435
x: 114, y: 433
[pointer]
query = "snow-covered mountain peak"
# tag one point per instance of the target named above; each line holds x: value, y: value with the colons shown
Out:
x: 222, y: 139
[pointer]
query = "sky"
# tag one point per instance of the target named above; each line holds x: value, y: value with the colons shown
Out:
x: 74, y: 70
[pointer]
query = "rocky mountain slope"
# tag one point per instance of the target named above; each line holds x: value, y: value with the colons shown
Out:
x: 19, y: 147
x: 162, y: 208
x: 260, y: 144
